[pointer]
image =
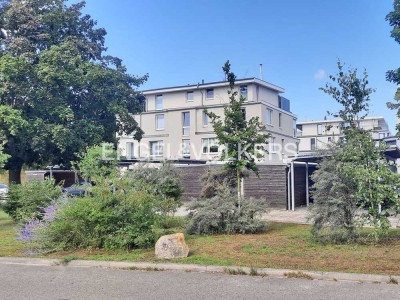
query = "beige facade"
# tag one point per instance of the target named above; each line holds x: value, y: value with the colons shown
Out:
x: 315, y: 135
x: 177, y: 128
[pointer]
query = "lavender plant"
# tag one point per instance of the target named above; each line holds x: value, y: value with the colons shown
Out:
x: 30, y: 231
x: 25, y: 201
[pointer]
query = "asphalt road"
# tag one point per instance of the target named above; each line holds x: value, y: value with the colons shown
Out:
x: 60, y: 282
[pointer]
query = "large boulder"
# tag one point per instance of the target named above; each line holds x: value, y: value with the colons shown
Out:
x: 172, y: 246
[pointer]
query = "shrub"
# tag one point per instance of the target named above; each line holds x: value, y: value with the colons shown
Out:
x: 118, y: 213
x: 351, y: 184
x: 221, y: 214
x: 215, y: 179
x: 30, y: 231
x: 26, y: 201
x: 335, y: 205
x: 104, y: 220
x: 163, y: 181
x: 76, y: 226
x: 133, y: 222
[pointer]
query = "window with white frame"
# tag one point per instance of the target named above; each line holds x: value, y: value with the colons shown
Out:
x: 210, y: 93
x: 157, y: 148
x: 272, y: 148
x: 209, y: 145
x: 205, y: 119
x: 143, y: 104
x: 186, y: 148
x: 313, y: 143
x: 186, y: 123
x: 189, y: 96
x: 159, y: 102
x: 268, y: 116
x: 160, y: 122
x: 299, y: 130
x: 243, y: 92
x: 130, y: 150
x: 280, y: 120
x: 319, y: 129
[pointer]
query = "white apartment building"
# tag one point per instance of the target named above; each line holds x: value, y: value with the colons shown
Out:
x: 315, y: 135
x: 177, y: 128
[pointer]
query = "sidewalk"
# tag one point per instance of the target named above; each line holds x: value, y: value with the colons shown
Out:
x: 299, y: 216
x: 146, y: 266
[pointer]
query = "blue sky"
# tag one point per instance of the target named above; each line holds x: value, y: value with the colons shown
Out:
x: 298, y: 43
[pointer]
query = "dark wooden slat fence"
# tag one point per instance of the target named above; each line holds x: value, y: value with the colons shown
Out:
x: 271, y: 183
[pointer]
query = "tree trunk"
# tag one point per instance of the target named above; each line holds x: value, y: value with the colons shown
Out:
x: 14, y: 174
x: 239, y: 189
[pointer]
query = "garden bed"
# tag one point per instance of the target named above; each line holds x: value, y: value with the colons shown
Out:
x: 286, y: 246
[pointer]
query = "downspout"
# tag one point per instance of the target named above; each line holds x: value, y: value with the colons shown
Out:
x: 195, y: 122
x: 292, y: 185
x: 288, y: 188
x: 139, y: 142
x: 307, y: 187
x: 202, y: 106
x: 202, y: 98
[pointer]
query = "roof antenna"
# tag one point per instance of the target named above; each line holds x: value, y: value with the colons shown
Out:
x: 261, y: 72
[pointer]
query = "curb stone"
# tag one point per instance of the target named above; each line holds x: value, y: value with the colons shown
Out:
x: 275, y: 273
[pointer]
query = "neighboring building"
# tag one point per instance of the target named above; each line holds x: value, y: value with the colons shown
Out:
x: 177, y: 128
x: 393, y: 151
x: 315, y: 135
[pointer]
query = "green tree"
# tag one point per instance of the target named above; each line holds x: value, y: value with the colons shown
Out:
x: 54, y: 72
x: 351, y: 92
x: 243, y: 140
x: 360, y: 176
x: 394, y: 75
x: 3, y: 157
x: 365, y: 166
x: 11, y: 123
x: 99, y: 162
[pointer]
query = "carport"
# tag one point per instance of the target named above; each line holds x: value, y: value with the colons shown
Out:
x: 300, y: 168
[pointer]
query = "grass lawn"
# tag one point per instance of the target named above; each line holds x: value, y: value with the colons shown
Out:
x: 283, y: 246
x: 8, y: 245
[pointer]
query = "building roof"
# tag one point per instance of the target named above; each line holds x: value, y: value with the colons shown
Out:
x: 191, y: 87
x: 336, y: 120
